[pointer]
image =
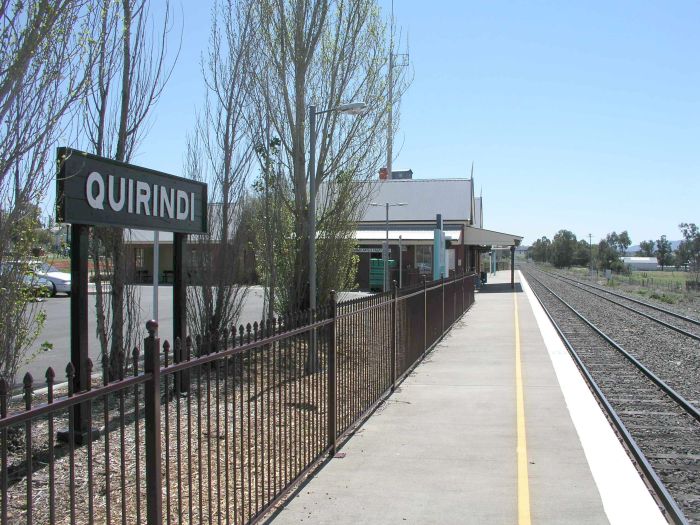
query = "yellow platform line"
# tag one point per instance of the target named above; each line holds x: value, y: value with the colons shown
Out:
x: 523, y: 482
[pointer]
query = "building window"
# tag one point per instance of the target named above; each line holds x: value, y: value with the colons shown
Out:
x: 139, y: 257
x: 424, y: 259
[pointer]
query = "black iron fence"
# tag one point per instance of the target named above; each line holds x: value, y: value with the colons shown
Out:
x: 223, y: 434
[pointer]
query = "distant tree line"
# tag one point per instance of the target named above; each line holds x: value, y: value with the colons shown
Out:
x: 565, y: 250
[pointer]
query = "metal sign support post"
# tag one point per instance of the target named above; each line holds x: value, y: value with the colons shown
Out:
x: 156, y: 273
x: 438, y: 249
x: 79, y: 330
x: 180, y: 306
x: 93, y: 190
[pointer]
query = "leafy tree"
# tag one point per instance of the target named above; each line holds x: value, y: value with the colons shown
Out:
x: 691, y: 246
x: 540, y: 249
x: 563, y: 249
x: 21, y: 317
x: 623, y: 242
x: 582, y: 255
x: 272, y: 223
x: 664, y: 253
x: 608, y: 254
x: 681, y: 256
x: 646, y: 248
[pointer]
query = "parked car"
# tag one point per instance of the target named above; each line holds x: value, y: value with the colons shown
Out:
x: 42, y: 275
x: 60, y: 281
x: 38, y: 286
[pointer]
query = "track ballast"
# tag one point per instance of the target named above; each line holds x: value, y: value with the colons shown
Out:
x: 645, y: 375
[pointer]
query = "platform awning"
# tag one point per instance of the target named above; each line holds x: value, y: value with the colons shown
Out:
x: 408, y: 236
x: 481, y: 237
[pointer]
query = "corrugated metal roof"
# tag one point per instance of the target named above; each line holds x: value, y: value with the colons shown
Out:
x: 648, y: 260
x: 481, y: 237
x: 424, y: 199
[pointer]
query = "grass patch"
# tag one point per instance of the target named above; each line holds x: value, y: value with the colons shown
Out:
x: 664, y: 298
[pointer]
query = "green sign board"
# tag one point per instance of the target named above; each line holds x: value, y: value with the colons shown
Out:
x: 98, y: 191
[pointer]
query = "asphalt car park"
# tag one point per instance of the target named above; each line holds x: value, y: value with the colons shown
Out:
x: 56, y: 329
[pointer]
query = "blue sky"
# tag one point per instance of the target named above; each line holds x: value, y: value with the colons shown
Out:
x: 577, y: 115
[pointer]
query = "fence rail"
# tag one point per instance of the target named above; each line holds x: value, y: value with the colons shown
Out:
x: 219, y: 428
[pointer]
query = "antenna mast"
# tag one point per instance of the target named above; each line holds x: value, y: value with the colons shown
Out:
x: 390, y: 123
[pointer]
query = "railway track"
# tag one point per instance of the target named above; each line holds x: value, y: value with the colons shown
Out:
x: 658, y: 423
x: 671, y: 350
x: 682, y: 324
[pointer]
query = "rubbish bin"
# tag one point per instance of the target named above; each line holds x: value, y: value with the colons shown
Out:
x: 484, y: 277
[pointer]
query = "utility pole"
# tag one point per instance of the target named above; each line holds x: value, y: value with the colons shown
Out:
x: 590, y: 255
x: 390, y: 123
x: 390, y: 93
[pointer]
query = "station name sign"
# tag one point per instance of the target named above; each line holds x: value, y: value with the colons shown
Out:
x: 95, y: 190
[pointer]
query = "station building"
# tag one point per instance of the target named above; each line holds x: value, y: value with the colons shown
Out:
x: 409, y: 223
x: 139, y: 246
x: 414, y: 205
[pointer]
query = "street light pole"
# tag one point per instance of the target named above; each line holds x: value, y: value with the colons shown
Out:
x: 385, y: 250
x: 351, y: 108
x: 312, y: 206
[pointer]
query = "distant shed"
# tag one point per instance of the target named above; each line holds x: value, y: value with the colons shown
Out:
x: 641, y: 263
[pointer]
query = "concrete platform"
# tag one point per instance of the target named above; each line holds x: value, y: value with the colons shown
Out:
x: 496, y: 426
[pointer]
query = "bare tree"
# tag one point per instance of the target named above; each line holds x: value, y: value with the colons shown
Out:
x: 132, y: 71
x: 44, y: 57
x: 327, y: 53
x: 220, y: 153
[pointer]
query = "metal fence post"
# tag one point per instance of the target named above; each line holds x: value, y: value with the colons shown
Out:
x: 443, y: 305
x: 332, y: 383
x: 454, y: 299
x: 394, y: 322
x: 151, y: 365
x: 4, y: 394
x: 425, y: 315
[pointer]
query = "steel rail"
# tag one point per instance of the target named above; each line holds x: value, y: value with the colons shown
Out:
x: 639, y: 312
x: 667, y: 500
x: 665, y: 388
x: 631, y: 299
